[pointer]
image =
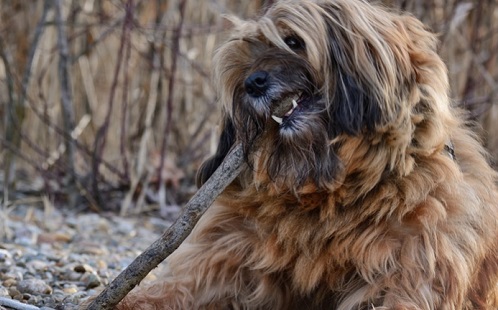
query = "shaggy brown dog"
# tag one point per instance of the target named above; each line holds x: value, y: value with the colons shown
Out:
x: 363, y: 188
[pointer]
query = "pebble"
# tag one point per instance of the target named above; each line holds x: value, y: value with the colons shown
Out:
x: 53, y: 238
x: 34, y: 286
x: 5, y: 256
x: 70, y: 289
x: 9, y: 282
x: 91, y: 280
x: 83, y: 268
x: 56, y: 262
x: 4, y: 291
x: 37, y: 265
x: 13, y: 292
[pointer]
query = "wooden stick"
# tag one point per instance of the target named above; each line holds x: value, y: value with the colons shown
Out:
x: 15, y: 304
x: 174, y: 235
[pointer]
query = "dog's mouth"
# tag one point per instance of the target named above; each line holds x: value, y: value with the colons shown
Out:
x: 287, y: 106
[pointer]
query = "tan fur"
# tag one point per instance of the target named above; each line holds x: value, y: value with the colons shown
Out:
x: 383, y: 217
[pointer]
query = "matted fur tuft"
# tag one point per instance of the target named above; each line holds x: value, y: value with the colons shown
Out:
x: 363, y: 187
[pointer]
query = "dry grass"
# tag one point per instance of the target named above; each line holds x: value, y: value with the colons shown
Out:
x: 122, y: 117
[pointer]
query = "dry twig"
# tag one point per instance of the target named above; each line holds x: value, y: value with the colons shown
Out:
x: 66, y: 99
x: 15, y: 110
x: 173, y: 236
x: 101, y: 136
x: 169, y: 104
x: 15, y: 304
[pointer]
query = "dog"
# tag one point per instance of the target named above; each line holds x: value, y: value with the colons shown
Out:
x: 363, y: 187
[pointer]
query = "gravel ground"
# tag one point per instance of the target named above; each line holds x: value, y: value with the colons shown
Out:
x: 52, y: 259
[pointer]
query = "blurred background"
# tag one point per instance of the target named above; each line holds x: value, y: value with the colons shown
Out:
x: 108, y: 106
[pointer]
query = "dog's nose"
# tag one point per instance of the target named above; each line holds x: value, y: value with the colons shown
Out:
x: 257, y: 83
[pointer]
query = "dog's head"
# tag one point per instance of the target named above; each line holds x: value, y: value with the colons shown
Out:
x: 310, y: 82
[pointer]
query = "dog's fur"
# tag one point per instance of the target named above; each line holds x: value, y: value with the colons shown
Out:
x: 357, y: 200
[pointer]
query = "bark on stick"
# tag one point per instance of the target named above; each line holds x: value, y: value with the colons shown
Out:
x: 174, y: 235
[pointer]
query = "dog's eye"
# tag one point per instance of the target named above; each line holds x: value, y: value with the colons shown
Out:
x: 295, y: 43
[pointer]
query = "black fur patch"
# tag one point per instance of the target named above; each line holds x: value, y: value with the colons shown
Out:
x: 352, y: 109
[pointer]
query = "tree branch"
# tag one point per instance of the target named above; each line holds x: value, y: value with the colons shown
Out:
x: 101, y: 135
x: 169, y: 104
x: 174, y: 235
x: 15, y: 304
x: 66, y: 99
x: 15, y: 110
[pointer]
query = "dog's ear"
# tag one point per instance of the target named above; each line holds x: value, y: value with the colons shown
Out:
x: 357, y: 78
x: 227, y: 139
x: 353, y: 109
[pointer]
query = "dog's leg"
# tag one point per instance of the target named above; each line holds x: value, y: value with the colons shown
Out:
x: 211, y: 271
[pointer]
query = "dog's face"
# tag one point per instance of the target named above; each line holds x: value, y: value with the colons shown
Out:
x: 308, y: 75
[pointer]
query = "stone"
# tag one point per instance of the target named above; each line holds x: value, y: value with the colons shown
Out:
x: 34, y: 287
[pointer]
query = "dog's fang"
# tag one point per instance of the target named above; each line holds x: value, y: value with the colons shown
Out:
x: 277, y: 119
x: 294, y: 103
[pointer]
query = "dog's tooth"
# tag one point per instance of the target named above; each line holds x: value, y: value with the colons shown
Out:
x: 277, y: 119
x: 294, y: 103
